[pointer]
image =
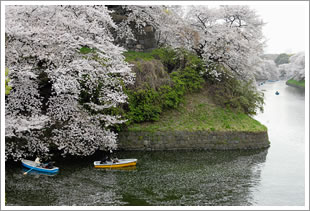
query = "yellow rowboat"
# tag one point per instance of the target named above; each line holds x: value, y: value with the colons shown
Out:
x: 119, y: 164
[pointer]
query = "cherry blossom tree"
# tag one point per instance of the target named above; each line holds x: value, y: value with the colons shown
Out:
x: 61, y: 95
x: 267, y: 70
x: 271, y: 69
x: 295, y: 69
x: 229, y: 35
x: 163, y: 19
x: 297, y: 66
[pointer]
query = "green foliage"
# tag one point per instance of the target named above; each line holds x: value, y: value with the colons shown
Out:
x: 172, y: 59
x: 147, y: 104
x: 86, y: 50
x: 185, y: 73
x: 165, y: 76
x: 7, y: 80
x: 155, y: 89
x: 240, y: 96
x: 171, y: 97
x: 189, y: 59
x: 167, y: 56
x: 297, y: 83
x: 131, y: 56
x: 283, y: 58
x: 188, y: 76
x: 198, y: 112
x: 144, y: 105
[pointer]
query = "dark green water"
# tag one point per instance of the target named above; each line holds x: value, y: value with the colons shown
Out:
x: 160, y: 178
x: 274, y: 176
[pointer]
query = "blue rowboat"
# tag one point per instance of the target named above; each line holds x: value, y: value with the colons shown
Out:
x: 32, y: 165
x: 34, y: 172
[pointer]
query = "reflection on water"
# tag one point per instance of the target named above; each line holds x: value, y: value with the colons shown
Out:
x: 283, y: 177
x: 273, y: 176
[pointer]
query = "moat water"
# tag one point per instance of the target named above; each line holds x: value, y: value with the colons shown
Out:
x: 269, y: 177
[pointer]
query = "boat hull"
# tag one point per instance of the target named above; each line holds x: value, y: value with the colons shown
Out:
x: 31, y: 165
x: 120, y: 164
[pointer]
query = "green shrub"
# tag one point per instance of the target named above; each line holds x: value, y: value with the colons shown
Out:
x: 171, y: 97
x: 156, y: 87
x: 165, y: 75
x: 191, y: 79
x: 7, y: 80
x: 147, y: 104
x: 240, y: 96
x: 167, y: 56
x: 143, y: 105
x: 189, y: 59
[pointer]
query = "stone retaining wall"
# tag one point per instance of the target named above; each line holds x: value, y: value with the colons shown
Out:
x: 175, y: 140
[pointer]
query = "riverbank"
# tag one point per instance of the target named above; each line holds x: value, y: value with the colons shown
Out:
x: 197, y: 124
x: 297, y: 84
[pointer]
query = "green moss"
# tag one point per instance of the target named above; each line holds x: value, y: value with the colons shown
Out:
x: 297, y: 83
x: 199, y: 113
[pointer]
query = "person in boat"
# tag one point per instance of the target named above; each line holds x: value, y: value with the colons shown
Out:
x: 106, y: 157
x: 50, y: 165
x: 104, y: 160
x: 115, y: 160
x: 37, y: 162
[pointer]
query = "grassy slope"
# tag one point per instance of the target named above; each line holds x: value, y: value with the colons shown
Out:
x: 133, y: 55
x: 297, y: 83
x: 198, y: 113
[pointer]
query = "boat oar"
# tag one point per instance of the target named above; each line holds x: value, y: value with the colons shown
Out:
x: 28, y: 171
